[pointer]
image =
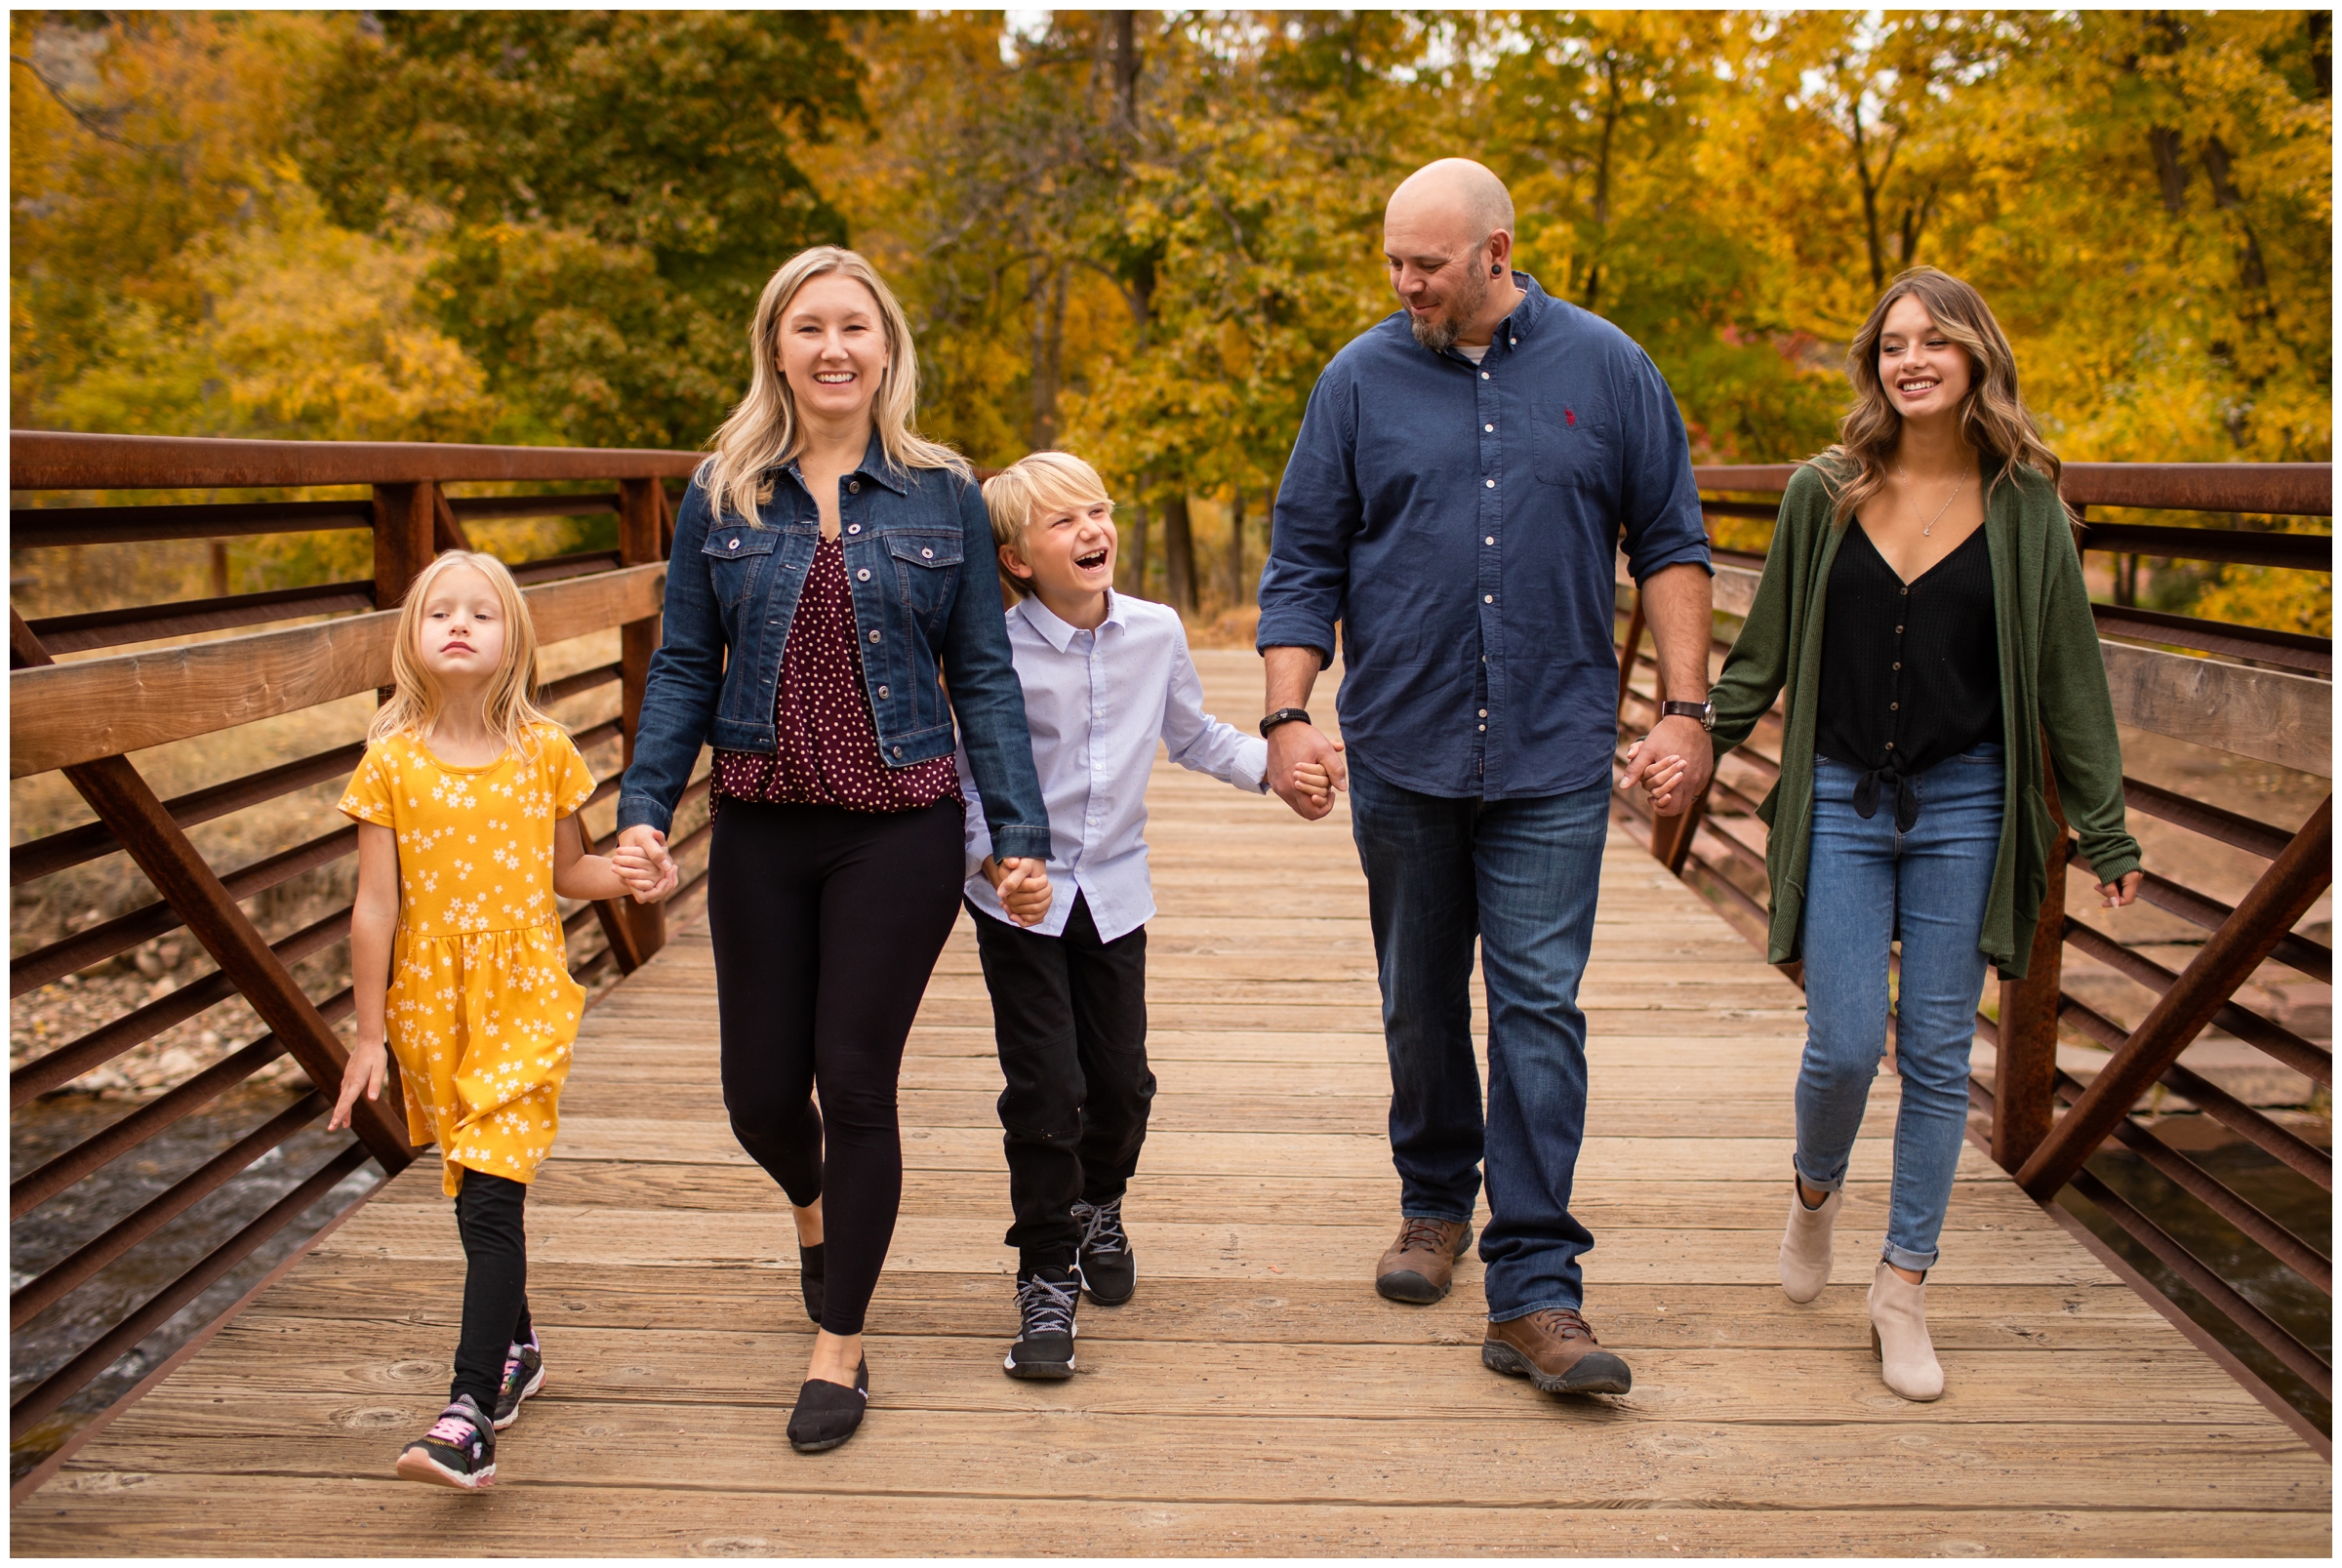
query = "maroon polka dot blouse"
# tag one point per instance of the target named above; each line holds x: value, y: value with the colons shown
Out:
x: 827, y: 751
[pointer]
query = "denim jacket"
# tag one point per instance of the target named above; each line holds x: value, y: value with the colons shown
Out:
x: 919, y: 550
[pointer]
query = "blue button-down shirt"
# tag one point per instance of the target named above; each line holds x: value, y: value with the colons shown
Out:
x: 1097, y: 703
x: 1459, y: 522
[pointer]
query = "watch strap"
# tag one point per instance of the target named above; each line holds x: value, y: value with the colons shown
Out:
x: 1705, y: 712
x: 1285, y: 715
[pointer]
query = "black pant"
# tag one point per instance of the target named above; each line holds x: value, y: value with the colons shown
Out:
x: 496, y: 1284
x: 1070, y: 1018
x: 825, y: 924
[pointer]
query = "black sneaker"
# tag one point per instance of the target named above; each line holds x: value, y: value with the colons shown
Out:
x: 1045, y: 1299
x: 524, y: 1374
x: 1109, y: 1270
x: 459, y: 1451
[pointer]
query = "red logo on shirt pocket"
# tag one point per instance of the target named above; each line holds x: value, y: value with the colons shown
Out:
x: 1571, y: 415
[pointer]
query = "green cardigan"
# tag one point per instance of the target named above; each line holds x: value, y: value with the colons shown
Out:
x: 2052, y: 681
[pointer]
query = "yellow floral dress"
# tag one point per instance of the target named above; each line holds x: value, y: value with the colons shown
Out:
x: 481, y: 1011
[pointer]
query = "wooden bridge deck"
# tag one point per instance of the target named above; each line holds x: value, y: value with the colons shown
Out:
x: 1257, y: 1396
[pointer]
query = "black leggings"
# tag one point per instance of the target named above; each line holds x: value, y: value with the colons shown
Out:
x: 496, y: 1284
x: 825, y: 924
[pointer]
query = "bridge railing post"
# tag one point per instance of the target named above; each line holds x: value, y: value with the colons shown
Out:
x: 2025, y: 1061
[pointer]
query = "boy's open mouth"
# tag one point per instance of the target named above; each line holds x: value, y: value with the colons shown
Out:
x: 1092, y: 561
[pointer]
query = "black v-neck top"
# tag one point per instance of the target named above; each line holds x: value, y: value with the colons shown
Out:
x: 1911, y: 672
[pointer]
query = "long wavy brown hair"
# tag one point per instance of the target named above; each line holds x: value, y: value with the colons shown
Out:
x: 1993, y: 415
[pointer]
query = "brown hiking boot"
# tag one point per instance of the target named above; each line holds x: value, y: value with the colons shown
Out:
x: 1421, y: 1264
x: 1555, y: 1350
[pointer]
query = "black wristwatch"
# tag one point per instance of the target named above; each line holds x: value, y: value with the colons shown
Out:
x: 1705, y: 712
x: 1285, y: 715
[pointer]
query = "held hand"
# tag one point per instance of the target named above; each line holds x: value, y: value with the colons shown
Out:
x: 363, y: 1075
x: 1293, y: 747
x: 647, y: 846
x: 1660, y: 779
x: 2117, y: 894
x: 1024, y: 888
x: 1678, y: 738
x: 1312, y: 781
x: 643, y: 879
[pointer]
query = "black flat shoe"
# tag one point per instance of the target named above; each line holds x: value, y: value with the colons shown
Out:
x: 811, y: 1271
x: 827, y: 1414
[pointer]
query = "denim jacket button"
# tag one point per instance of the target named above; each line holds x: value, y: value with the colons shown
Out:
x: 853, y: 487
x: 873, y: 637
x: 853, y: 528
x: 898, y: 752
x: 926, y: 555
x: 735, y: 544
x: 862, y: 576
x: 882, y: 691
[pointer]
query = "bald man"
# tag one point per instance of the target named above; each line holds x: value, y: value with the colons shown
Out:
x: 1465, y: 471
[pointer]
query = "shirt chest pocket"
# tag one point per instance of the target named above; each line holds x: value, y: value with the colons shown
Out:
x: 1569, y: 442
x: 927, y: 573
x: 737, y: 556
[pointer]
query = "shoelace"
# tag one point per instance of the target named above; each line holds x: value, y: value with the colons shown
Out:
x: 454, y: 1431
x: 1424, y: 1234
x: 1102, y: 1227
x: 1563, y: 1323
x: 1047, y: 1307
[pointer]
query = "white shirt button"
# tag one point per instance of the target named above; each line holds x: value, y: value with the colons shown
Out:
x: 1484, y: 375
x: 1483, y: 712
x: 1490, y: 539
x: 1487, y: 427
x: 1492, y: 484
x: 1485, y: 599
x: 1484, y: 729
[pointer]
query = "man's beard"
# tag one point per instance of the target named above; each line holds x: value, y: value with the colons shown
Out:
x: 1438, y: 333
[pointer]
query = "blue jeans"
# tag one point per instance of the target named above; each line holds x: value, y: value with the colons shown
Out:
x: 1865, y: 885
x: 1521, y: 876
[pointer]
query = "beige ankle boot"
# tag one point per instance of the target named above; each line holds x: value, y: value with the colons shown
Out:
x: 1805, y: 1245
x: 1899, y: 1336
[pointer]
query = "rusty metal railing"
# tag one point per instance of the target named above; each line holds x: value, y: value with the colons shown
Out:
x: 82, y: 715
x: 2246, y: 691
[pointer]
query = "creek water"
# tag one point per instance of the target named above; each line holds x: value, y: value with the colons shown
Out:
x: 47, y: 1234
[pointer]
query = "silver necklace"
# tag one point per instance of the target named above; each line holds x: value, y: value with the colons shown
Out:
x: 1929, y: 530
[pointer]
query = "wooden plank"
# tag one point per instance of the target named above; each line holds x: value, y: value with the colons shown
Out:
x: 71, y: 713
x: 103, y: 1514
x: 58, y: 459
x: 2266, y: 715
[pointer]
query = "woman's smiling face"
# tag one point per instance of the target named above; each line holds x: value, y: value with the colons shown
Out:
x: 833, y: 347
x: 1925, y: 373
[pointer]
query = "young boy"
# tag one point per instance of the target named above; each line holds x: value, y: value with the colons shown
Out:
x: 1104, y: 677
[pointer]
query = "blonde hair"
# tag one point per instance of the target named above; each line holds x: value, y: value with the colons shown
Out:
x: 1039, y: 482
x: 1993, y: 416
x: 417, y: 699
x: 763, y: 431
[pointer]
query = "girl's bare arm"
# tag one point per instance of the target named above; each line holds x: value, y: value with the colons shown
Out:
x: 578, y: 874
x: 373, y: 922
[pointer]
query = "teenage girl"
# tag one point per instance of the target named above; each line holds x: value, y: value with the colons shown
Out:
x: 466, y: 802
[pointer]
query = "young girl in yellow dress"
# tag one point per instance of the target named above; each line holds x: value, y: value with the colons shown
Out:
x: 465, y: 803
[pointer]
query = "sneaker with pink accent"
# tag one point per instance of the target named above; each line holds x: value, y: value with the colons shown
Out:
x: 524, y: 1374
x: 459, y: 1451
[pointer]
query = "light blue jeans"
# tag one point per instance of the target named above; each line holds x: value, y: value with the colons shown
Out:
x: 1866, y: 884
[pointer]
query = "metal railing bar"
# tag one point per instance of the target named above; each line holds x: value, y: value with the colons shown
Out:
x: 2304, y: 552
x: 165, y: 1303
x: 35, y: 527
x: 125, y: 932
x: 102, y: 1044
x: 2199, y: 816
x: 2295, y: 951
x: 572, y: 505
x: 2289, y: 650
x: 181, y: 1195
x: 111, y: 629
x: 2264, y: 1330
x: 2304, y: 1056
x: 2216, y: 1195
x: 44, y: 857
x: 554, y: 568
x: 116, y: 1138
x: 585, y: 680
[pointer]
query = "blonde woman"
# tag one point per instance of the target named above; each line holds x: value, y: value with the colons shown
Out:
x: 463, y: 775
x: 1923, y: 604
x: 832, y: 608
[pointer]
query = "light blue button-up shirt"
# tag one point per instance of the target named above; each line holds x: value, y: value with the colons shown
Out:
x: 1097, y: 702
